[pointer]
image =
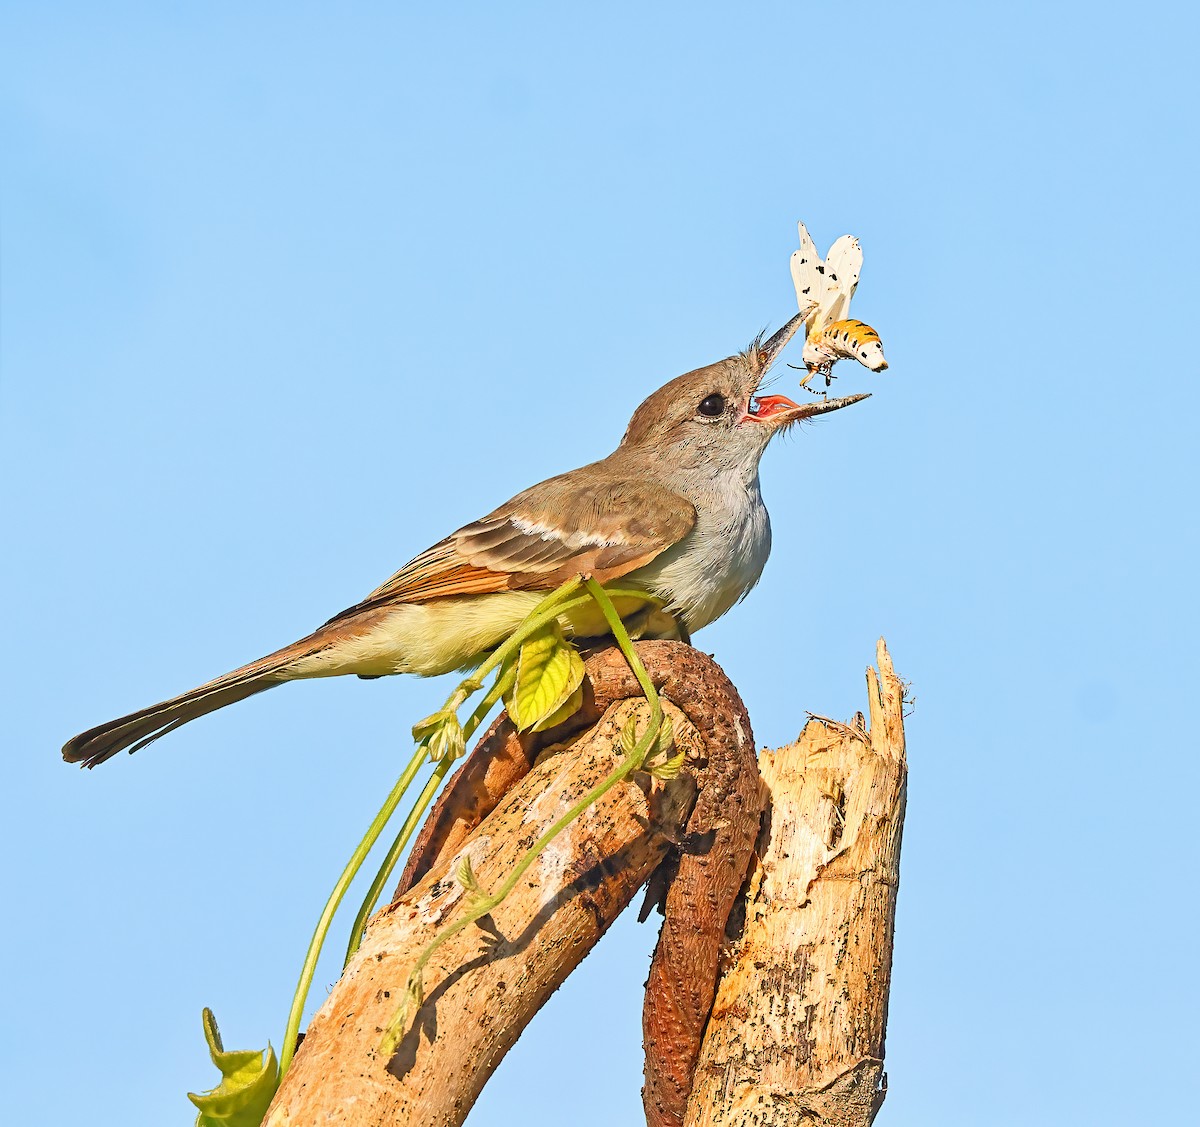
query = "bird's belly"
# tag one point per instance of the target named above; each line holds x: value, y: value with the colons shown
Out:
x: 443, y: 635
x: 425, y: 638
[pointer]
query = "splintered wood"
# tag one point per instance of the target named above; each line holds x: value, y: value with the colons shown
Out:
x: 796, y: 1035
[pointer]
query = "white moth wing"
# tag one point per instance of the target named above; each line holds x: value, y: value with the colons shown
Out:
x: 843, y: 265
x: 807, y: 276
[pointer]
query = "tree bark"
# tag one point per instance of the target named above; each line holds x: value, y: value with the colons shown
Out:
x: 481, y: 990
x: 796, y: 1035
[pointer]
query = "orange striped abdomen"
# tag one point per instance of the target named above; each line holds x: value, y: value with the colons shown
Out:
x: 844, y: 340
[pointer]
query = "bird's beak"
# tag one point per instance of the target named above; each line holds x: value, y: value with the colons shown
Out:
x: 779, y: 409
x: 772, y: 348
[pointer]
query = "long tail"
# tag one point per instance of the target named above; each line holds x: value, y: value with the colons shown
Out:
x: 145, y: 726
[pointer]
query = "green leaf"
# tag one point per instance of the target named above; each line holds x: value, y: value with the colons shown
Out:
x: 476, y: 895
x: 669, y: 767
x: 567, y: 709
x: 666, y: 737
x: 248, y: 1081
x: 466, y: 877
x: 548, y: 671
x: 662, y: 744
x: 629, y: 737
x: 422, y: 728
x: 411, y: 1001
x: 446, y: 740
x: 663, y: 764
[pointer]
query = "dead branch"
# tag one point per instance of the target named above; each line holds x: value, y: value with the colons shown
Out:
x: 796, y: 1035
x: 481, y: 990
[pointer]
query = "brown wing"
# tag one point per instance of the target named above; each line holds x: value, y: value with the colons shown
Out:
x: 581, y: 522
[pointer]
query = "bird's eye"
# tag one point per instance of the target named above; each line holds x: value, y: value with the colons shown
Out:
x: 712, y: 406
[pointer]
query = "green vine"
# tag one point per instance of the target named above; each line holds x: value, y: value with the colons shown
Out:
x: 538, y: 674
x: 478, y: 904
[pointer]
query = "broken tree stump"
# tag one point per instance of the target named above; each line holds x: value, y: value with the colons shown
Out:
x: 797, y: 1030
x: 796, y: 1034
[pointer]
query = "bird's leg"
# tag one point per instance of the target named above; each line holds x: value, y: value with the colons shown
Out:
x: 556, y: 606
x: 657, y: 736
x: 652, y: 622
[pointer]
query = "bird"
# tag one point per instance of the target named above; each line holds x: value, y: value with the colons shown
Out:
x: 675, y: 511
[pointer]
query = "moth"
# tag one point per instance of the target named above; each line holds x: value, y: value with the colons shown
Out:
x: 823, y: 291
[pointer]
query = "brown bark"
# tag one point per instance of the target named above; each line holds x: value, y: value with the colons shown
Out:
x: 699, y: 883
x: 797, y: 1030
x: 479, y: 996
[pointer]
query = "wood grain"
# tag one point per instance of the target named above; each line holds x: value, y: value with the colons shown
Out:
x: 796, y: 1035
x: 481, y: 990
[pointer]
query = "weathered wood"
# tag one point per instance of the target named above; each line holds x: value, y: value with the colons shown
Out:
x: 796, y: 1035
x: 698, y: 884
x: 479, y: 996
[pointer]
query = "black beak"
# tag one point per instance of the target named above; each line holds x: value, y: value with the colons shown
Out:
x: 773, y: 347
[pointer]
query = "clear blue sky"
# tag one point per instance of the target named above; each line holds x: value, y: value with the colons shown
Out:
x: 292, y: 290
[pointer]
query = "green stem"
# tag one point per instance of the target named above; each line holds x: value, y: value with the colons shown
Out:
x: 546, y: 611
x: 625, y: 643
x: 498, y: 689
x: 288, y: 1048
x: 393, y: 855
x: 481, y: 906
x: 551, y: 607
x: 555, y: 605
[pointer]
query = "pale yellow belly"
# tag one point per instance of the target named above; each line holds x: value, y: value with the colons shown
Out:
x: 448, y: 634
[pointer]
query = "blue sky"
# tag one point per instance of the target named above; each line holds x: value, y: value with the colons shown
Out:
x: 291, y: 291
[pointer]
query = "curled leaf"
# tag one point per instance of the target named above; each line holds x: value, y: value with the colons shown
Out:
x: 629, y: 737
x: 248, y: 1081
x: 667, y: 768
x: 446, y: 740
x: 422, y: 728
x: 414, y: 996
x: 476, y: 894
x: 663, y: 742
x: 465, y: 875
x: 666, y: 737
x: 662, y: 763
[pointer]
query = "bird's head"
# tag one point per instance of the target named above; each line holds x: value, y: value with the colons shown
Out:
x: 715, y: 415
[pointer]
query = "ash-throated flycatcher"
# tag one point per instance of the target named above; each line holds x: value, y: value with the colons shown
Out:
x: 674, y: 510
